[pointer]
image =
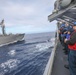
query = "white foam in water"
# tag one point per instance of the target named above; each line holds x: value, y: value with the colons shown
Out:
x: 52, y: 40
x: 9, y: 64
x: 45, y: 46
x: 12, y: 52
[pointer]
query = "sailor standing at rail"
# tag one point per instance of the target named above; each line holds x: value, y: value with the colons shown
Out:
x: 72, y: 54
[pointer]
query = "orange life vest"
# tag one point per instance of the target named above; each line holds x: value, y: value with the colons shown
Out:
x: 72, y: 47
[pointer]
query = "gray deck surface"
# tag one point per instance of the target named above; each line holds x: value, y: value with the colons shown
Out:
x: 60, y: 60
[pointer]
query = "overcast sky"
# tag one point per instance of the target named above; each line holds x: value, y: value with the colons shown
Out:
x: 27, y: 16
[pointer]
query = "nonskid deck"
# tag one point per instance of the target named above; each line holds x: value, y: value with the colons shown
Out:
x: 59, y: 62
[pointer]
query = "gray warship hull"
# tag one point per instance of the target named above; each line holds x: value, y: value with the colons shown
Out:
x: 12, y: 38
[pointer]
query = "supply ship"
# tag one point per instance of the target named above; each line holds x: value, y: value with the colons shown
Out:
x: 64, y: 10
x: 6, y: 39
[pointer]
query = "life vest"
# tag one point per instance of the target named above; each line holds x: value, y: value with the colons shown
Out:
x: 72, y: 47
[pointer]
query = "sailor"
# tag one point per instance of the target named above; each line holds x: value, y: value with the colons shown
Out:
x: 72, y: 54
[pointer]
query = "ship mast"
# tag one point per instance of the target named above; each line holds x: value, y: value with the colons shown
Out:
x: 3, y: 27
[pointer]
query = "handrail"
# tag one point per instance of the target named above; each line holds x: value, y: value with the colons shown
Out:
x: 48, y: 69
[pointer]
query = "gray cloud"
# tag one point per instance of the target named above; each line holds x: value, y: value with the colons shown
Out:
x: 26, y: 12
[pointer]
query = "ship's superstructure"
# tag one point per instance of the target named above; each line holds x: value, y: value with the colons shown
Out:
x: 64, y: 11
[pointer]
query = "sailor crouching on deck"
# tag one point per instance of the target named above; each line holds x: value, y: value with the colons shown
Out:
x: 72, y: 55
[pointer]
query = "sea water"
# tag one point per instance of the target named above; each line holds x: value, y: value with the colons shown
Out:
x: 28, y: 57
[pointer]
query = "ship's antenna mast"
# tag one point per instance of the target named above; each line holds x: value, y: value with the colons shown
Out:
x: 3, y: 27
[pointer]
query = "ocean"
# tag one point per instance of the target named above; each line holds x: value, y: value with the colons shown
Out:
x: 28, y: 57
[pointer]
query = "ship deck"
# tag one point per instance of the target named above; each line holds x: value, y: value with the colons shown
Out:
x: 59, y: 62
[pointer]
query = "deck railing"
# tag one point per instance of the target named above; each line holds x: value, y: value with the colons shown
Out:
x: 48, y: 69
